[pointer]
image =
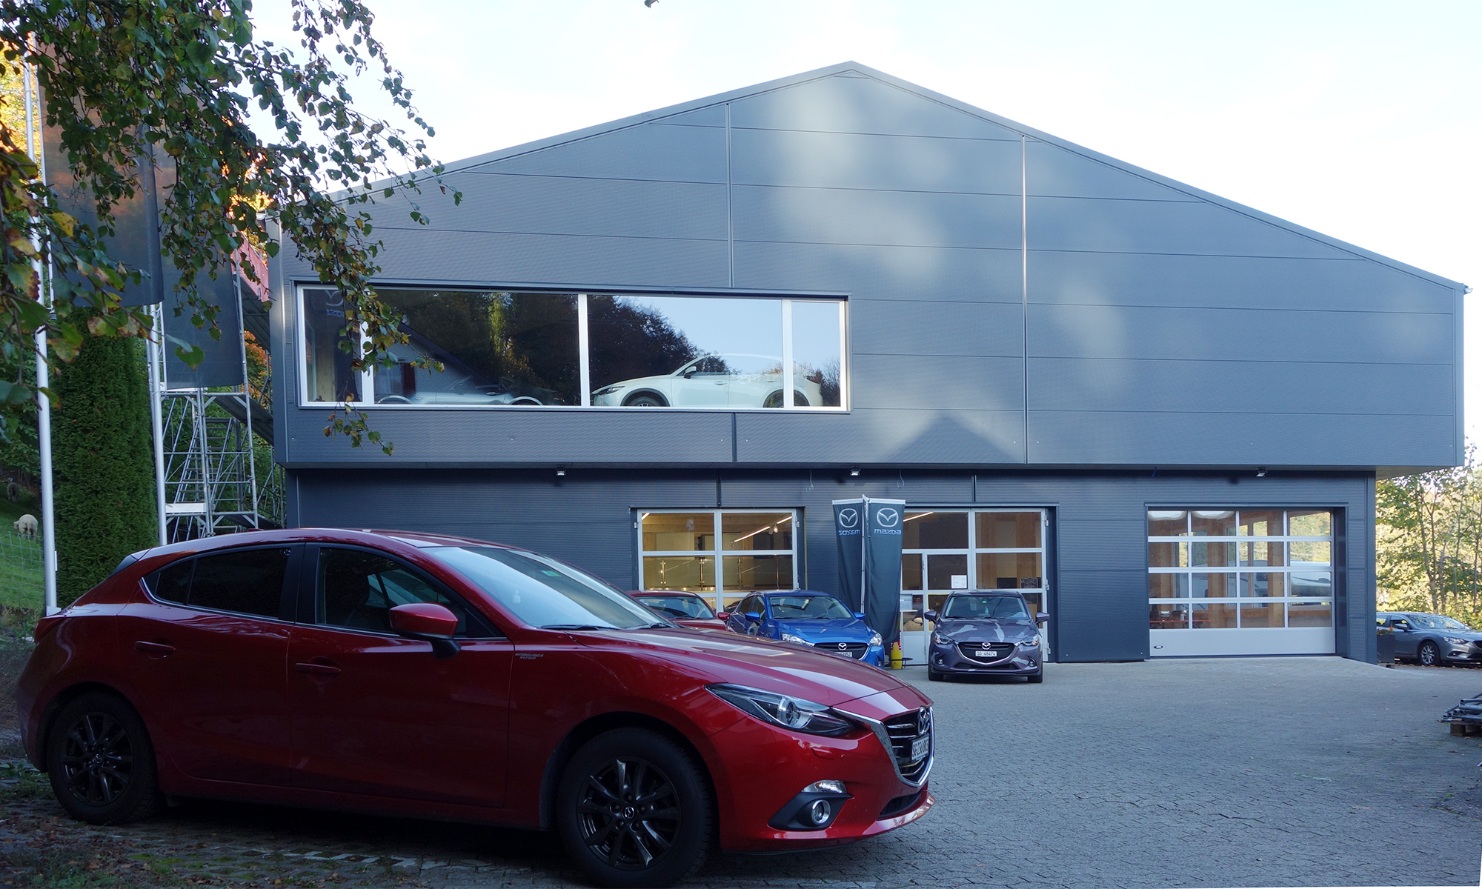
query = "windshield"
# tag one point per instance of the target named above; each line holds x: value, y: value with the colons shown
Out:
x: 679, y: 606
x: 1451, y: 623
x: 808, y: 606
x: 985, y: 608
x: 543, y: 592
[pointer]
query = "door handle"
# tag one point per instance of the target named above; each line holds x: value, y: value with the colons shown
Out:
x: 156, y: 649
x: 316, y: 668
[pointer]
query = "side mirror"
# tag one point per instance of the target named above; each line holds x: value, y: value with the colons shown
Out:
x: 1041, y: 616
x: 721, y: 615
x: 930, y: 614
x: 753, y: 616
x: 430, y: 622
x: 859, y: 615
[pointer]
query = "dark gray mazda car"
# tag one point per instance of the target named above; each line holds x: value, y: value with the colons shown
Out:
x: 986, y: 633
x: 1431, y: 639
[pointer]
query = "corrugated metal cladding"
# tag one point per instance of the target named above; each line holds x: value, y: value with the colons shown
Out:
x: 1097, y: 546
x: 1016, y: 304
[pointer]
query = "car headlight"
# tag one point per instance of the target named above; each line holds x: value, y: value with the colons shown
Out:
x: 1454, y: 640
x: 783, y: 710
x: 788, y: 637
x: 607, y: 390
x: 1032, y: 641
x: 939, y: 639
x: 875, y: 639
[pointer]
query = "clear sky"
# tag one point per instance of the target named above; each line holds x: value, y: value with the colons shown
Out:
x: 1361, y: 119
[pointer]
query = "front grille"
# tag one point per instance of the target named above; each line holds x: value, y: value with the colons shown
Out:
x: 995, y: 651
x: 854, y: 650
x: 901, y: 804
x: 912, y: 760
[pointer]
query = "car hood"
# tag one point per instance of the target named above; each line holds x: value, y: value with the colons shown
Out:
x: 843, y: 629
x: 767, y: 664
x: 986, y: 630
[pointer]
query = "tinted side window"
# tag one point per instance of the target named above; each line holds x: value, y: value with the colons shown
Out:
x: 243, y: 581
x: 358, y: 589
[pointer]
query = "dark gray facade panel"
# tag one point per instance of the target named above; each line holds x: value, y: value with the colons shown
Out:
x: 918, y: 382
x: 886, y: 218
x: 1053, y: 171
x: 1158, y: 227
x: 1095, y: 622
x: 890, y: 272
x: 1065, y: 384
x: 559, y: 205
x: 1222, y: 281
x: 647, y: 151
x: 1116, y: 542
x: 563, y: 261
x: 905, y: 436
x: 846, y: 104
x: 517, y: 437
x: 948, y: 329
x: 1238, y: 334
x: 1092, y: 438
x: 875, y: 162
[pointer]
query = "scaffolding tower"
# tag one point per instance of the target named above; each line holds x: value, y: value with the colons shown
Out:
x: 210, y: 480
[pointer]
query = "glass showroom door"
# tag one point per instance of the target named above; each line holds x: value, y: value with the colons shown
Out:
x: 968, y: 549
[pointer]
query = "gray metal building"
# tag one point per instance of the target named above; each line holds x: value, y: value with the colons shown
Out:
x: 671, y: 341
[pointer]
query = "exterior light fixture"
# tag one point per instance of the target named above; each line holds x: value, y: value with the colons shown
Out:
x: 854, y: 472
x: 560, y: 472
x: 1260, y: 472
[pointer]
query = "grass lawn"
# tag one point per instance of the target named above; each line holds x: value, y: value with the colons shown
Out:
x: 21, y: 583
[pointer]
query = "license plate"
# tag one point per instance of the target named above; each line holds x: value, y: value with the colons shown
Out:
x: 987, y: 655
x: 920, y: 747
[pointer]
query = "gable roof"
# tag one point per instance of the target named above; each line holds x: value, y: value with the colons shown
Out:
x: 975, y: 121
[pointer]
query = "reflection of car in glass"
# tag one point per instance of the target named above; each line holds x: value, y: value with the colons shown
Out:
x: 1431, y: 639
x: 469, y: 393
x: 456, y: 383
x: 686, y: 609
x: 986, y: 633
x: 422, y: 675
x: 730, y: 380
x: 808, y: 617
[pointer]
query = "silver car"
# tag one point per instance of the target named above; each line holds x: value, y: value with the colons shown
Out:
x: 1431, y: 639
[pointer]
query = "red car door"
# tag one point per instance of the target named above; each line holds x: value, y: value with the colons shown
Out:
x: 207, y: 654
x: 377, y: 714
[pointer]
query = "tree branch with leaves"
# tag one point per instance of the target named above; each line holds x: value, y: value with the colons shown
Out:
x: 253, y: 130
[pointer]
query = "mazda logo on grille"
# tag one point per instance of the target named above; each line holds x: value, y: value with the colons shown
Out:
x: 843, y: 646
x: 987, y: 646
x: 923, y: 723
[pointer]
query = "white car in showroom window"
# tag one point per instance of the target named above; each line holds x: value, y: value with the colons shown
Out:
x: 716, y: 380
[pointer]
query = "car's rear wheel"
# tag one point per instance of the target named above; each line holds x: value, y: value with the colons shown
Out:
x: 101, y: 762
x: 633, y: 809
x: 1428, y: 655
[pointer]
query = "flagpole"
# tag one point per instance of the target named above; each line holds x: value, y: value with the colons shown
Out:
x: 43, y: 376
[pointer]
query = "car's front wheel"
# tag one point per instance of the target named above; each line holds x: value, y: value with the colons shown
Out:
x: 100, y: 761
x: 1428, y: 655
x: 645, y: 399
x: 633, y: 809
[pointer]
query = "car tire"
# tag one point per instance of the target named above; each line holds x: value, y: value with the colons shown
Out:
x: 1428, y: 654
x: 933, y: 675
x: 1036, y: 678
x: 633, y: 809
x: 645, y: 399
x: 101, y: 762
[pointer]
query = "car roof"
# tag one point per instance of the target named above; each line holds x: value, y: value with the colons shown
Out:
x: 370, y: 537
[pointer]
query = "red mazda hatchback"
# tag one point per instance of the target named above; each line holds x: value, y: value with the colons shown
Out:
x: 413, y: 674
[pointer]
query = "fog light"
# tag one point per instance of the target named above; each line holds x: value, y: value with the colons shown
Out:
x: 816, y: 807
x: 820, y: 811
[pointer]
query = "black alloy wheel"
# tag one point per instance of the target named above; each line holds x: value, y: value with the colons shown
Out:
x: 1428, y: 655
x: 633, y: 809
x: 100, y: 761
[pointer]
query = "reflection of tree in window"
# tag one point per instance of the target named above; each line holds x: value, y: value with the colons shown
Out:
x: 522, y: 343
x: 629, y: 341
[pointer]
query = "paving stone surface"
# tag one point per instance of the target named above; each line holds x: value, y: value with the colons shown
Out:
x: 1191, y: 773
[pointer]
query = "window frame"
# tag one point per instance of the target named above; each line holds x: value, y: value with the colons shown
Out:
x: 366, y: 377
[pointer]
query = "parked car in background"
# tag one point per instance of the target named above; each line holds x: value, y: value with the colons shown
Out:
x: 1431, y: 639
x: 684, y: 608
x: 986, y: 633
x: 730, y: 380
x: 422, y: 675
x: 809, y: 617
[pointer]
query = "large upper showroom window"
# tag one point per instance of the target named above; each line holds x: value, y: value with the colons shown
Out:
x: 1240, y: 569
x: 508, y: 349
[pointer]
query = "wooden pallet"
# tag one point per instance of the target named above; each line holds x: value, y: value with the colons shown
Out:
x: 1466, y: 728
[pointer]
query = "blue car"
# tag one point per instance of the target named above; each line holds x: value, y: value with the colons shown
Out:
x: 808, y: 617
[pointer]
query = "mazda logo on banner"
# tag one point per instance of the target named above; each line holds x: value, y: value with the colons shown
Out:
x: 870, y: 534
x: 887, y: 518
x: 848, y: 518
